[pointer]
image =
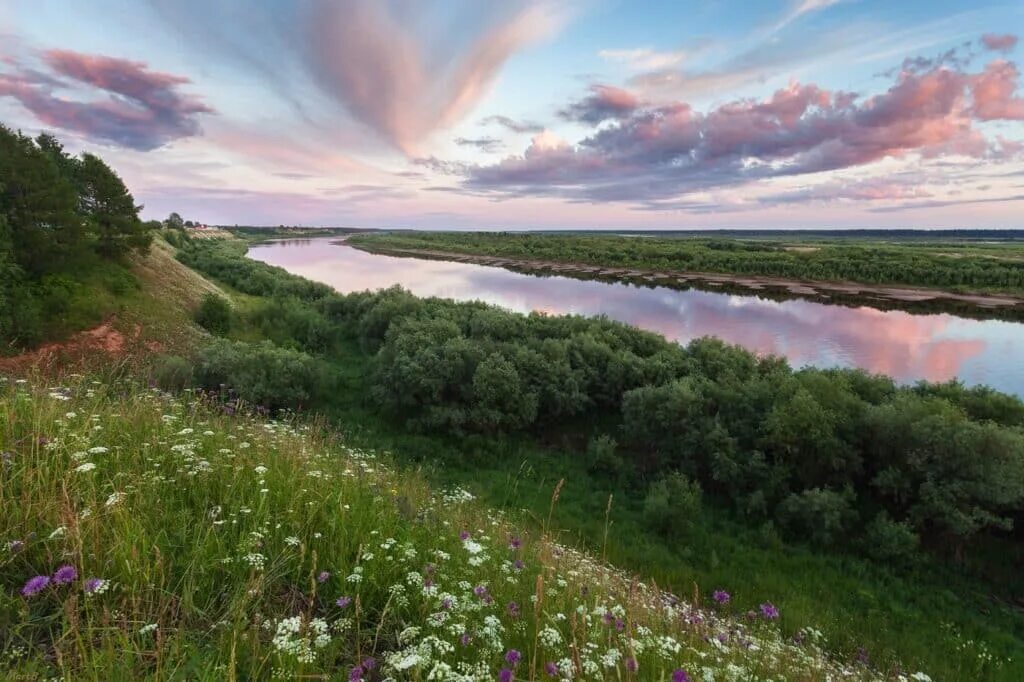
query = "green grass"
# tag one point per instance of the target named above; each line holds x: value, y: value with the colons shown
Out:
x: 223, y: 544
x: 929, y: 618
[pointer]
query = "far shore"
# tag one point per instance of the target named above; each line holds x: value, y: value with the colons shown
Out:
x: 753, y: 282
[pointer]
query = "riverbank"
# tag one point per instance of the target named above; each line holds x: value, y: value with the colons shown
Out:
x: 808, y: 288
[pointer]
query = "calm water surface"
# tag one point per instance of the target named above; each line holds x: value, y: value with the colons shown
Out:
x: 908, y: 347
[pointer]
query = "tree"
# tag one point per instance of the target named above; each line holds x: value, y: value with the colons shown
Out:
x: 500, y: 399
x: 110, y: 209
x: 39, y: 204
x: 174, y: 222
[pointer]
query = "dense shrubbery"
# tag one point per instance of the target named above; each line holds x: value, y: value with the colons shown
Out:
x: 873, y: 263
x: 218, y: 262
x: 831, y: 457
x: 64, y: 222
x: 260, y: 374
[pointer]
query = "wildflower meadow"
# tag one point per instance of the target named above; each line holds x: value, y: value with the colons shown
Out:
x: 145, y: 536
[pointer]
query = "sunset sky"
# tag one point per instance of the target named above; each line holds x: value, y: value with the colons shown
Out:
x: 527, y: 113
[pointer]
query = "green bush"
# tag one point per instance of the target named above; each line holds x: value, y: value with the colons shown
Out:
x: 214, y: 314
x: 818, y: 515
x: 892, y: 541
x: 602, y: 458
x: 171, y: 373
x: 260, y: 374
x: 672, y: 504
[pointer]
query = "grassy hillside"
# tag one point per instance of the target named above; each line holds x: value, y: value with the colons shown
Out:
x: 149, y: 312
x: 151, y: 537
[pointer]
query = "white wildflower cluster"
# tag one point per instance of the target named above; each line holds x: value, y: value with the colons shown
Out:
x: 255, y: 559
x: 301, y: 639
x: 457, y: 496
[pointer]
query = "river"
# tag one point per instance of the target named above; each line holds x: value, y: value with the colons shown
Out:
x: 908, y: 347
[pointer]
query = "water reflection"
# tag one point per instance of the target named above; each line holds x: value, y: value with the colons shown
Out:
x: 908, y: 347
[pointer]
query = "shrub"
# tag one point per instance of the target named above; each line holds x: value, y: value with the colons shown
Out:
x: 171, y: 373
x: 603, y: 459
x: 819, y: 515
x: 892, y: 541
x: 262, y: 374
x: 214, y: 314
x: 672, y: 504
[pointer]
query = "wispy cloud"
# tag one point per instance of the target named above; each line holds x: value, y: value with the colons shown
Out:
x: 513, y: 125
x: 488, y: 145
x: 801, y: 8
x: 646, y: 58
x: 364, y: 54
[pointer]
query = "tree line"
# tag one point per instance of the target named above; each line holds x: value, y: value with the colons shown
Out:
x: 838, y: 458
x: 64, y: 220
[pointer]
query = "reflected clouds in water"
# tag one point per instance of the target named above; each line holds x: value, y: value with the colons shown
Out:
x: 907, y: 347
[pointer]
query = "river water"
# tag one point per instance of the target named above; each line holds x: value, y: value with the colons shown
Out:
x: 906, y: 346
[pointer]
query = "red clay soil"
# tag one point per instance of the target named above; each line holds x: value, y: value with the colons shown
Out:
x: 101, y: 343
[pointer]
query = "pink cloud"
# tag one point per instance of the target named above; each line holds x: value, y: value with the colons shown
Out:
x: 371, y: 61
x: 658, y: 152
x: 993, y: 90
x: 605, y: 102
x: 999, y: 42
x: 142, y: 109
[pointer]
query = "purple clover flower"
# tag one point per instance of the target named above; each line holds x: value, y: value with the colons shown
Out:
x: 769, y: 611
x: 631, y: 664
x: 518, y: 565
x: 515, y: 543
x: 512, y: 657
x: 721, y: 596
x: 343, y: 601
x: 35, y: 585
x: 551, y: 668
x: 355, y: 674
x: 505, y: 675
x: 65, y: 574
x: 464, y: 535
x: 680, y: 675
x: 323, y: 577
x: 513, y: 609
x: 369, y: 663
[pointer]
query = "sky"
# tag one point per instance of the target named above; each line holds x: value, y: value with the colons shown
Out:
x: 518, y: 114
